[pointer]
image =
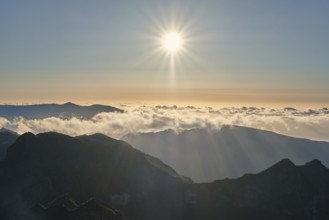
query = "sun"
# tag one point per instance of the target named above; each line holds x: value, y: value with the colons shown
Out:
x: 172, y: 42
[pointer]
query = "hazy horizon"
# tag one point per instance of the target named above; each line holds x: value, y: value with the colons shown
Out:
x: 248, y: 97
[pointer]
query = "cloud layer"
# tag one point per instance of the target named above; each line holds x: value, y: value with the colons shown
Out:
x: 312, y: 124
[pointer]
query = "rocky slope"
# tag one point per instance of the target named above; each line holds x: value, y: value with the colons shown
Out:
x: 67, y: 209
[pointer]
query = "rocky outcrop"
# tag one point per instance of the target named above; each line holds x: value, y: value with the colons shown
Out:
x: 65, y: 208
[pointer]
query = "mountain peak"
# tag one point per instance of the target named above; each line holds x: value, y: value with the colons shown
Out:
x: 70, y: 104
x: 27, y: 135
x: 282, y: 165
x: 314, y: 163
x: 97, y: 137
x: 285, y: 163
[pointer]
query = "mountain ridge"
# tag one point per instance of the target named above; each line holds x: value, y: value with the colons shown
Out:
x: 65, y: 111
x: 228, y: 152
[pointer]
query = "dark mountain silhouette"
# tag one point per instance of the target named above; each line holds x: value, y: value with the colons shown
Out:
x: 283, y: 191
x: 67, y: 110
x: 7, y: 137
x: 39, y: 168
x: 206, y: 155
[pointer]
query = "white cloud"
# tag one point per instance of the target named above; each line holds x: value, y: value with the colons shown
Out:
x: 313, y: 123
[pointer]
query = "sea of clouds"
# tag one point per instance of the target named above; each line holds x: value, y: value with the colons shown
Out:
x: 312, y: 123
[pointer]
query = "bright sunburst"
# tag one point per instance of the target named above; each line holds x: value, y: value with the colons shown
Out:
x: 172, y: 42
x: 173, y: 39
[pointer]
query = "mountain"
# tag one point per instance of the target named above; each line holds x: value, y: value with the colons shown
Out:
x: 283, y: 191
x: 39, y: 168
x: 67, y: 110
x: 206, y: 155
x: 7, y: 137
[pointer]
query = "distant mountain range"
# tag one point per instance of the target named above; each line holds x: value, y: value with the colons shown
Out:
x: 67, y: 110
x: 206, y: 155
x: 40, y: 169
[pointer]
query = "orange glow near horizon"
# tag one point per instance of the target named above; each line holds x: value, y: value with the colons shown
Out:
x: 179, y: 97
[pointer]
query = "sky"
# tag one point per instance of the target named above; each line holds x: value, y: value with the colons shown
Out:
x: 254, y: 53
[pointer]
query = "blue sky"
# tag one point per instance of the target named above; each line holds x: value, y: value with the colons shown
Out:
x: 103, y: 51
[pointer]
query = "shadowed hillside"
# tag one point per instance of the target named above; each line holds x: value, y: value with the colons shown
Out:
x: 41, y: 167
x: 7, y: 138
x: 283, y: 191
